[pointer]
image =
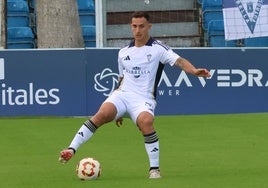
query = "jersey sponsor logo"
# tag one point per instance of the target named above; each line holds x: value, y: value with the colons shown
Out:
x: 250, y: 20
x: 137, y: 71
x: 106, y: 81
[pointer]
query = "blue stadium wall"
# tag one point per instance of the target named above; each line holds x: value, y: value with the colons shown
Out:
x: 75, y: 82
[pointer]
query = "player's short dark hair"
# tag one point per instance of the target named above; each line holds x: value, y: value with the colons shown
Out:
x: 141, y: 14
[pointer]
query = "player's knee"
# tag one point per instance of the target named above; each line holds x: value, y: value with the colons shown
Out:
x: 145, y: 118
x: 145, y: 123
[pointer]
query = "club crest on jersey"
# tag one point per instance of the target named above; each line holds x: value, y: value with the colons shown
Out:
x: 250, y: 21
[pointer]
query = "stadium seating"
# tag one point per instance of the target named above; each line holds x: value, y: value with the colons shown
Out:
x: 20, y: 37
x: 210, y: 15
x: 86, y: 10
x: 17, y: 13
x: 86, y: 6
x: 219, y: 41
x: 211, y: 5
x: 216, y: 36
x: 212, y: 23
x: 89, y: 35
x: 17, y: 6
x: 256, y: 42
x: 211, y: 10
x: 87, y: 19
x: 216, y: 27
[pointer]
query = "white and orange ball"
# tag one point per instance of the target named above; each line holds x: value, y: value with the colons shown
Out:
x: 88, y: 169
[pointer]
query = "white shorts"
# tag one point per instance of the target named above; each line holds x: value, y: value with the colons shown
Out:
x: 128, y: 103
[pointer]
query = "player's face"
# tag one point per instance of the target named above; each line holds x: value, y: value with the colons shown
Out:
x: 140, y: 29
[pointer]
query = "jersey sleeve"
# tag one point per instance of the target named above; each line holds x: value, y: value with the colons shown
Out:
x: 169, y: 57
x: 120, y: 65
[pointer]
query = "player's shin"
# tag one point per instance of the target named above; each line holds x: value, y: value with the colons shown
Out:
x: 152, y: 149
x: 84, y: 134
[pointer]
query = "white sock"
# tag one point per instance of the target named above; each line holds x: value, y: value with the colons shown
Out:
x: 152, y: 149
x: 84, y: 134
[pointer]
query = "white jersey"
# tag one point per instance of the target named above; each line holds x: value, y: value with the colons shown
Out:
x: 141, y: 67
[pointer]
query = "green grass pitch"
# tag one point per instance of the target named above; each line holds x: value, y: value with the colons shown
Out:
x: 197, y: 151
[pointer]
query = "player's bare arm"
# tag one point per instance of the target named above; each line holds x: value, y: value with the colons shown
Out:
x: 188, y: 67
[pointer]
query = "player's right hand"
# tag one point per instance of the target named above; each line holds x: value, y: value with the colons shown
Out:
x: 66, y: 155
x: 119, y: 122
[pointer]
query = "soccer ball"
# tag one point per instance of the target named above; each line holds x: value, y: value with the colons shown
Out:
x: 88, y: 169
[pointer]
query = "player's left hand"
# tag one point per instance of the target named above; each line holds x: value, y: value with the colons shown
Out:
x: 202, y: 72
x: 119, y: 122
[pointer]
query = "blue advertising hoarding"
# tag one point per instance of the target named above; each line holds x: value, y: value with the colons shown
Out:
x: 43, y: 82
x: 238, y: 83
x: 75, y: 82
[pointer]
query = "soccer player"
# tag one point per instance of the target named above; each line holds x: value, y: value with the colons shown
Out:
x: 140, y: 66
